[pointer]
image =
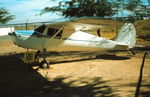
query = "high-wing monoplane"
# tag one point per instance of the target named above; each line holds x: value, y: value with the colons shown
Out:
x: 73, y: 36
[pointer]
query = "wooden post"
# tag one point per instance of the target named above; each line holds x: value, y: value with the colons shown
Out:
x: 26, y: 26
x: 137, y: 92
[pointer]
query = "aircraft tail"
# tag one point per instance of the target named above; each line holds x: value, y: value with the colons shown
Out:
x: 127, y: 35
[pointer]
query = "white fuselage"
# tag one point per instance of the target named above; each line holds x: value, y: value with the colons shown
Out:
x: 78, y: 41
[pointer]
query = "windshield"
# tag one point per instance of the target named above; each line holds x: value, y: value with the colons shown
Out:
x: 40, y: 29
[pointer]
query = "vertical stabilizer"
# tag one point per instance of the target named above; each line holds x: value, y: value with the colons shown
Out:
x: 127, y: 35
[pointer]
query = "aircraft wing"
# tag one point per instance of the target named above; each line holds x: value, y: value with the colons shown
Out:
x: 83, y: 26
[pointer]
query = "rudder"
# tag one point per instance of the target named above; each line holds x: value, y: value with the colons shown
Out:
x: 127, y: 35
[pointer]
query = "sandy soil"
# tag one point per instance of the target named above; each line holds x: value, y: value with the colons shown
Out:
x: 73, y: 74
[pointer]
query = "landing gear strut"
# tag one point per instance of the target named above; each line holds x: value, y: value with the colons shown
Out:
x: 37, y: 57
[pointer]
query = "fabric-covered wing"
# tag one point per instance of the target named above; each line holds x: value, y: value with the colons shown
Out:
x: 82, y: 26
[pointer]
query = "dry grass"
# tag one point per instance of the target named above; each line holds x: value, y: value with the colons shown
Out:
x: 143, y: 29
x: 23, y: 27
x: 106, y: 22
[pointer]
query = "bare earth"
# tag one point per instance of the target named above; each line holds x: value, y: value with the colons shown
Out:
x: 73, y: 74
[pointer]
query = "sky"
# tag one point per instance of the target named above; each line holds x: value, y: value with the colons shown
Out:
x: 28, y: 10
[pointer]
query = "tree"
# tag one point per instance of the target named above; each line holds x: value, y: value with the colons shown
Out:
x: 5, y: 16
x: 135, y: 7
x: 80, y: 8
x: 138, y: 8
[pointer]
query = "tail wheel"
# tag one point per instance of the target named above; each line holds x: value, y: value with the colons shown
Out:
x: 133, y: 52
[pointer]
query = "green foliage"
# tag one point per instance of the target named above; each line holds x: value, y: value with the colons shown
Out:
x: 137, y: 9
x: 80, y: 8
x: 5, y: 16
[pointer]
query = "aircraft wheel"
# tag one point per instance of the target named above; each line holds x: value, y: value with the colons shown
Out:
x: 44, y: 64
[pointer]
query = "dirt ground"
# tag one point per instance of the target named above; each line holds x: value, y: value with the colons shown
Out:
x: 73, y: 74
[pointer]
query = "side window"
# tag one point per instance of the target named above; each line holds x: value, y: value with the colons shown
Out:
x: 59, y: 34
x: 51, y: 32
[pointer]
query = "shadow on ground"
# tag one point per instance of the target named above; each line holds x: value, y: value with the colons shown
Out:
x: 112, y: 57
x: 79, y: 56
x: 144, y: 89
x: 142, y: 85
x: 147, y: 92
x: 17, y: 81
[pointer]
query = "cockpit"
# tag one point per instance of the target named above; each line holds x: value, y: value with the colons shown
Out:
x: 50, y: 32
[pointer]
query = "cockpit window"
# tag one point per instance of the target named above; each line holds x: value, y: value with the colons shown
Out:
x: 59, y: 34
x: 51, y: 32
x: 40, y: 29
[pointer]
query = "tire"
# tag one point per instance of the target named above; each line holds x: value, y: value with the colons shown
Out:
x: 44, y: 64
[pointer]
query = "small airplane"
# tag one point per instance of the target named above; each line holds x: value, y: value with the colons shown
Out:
x: 72, y: 36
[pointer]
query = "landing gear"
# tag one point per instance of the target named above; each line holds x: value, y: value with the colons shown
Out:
x: 43, y: 64
x: 37, y: 57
